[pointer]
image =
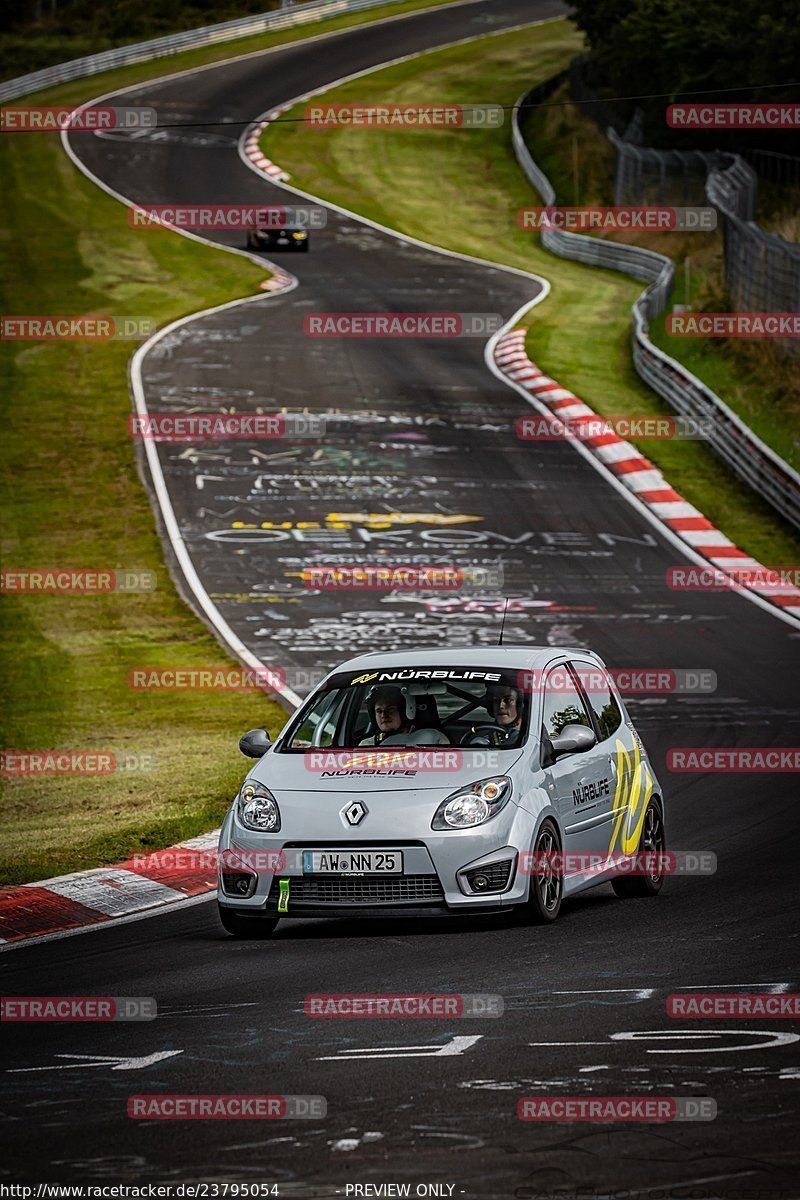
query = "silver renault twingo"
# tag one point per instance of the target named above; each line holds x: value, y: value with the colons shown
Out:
x: 443, y: 782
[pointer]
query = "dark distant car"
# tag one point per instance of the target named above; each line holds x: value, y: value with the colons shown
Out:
x: 287, y: 237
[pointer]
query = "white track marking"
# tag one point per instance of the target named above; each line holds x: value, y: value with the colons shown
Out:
x: 662, y: 1035
x: 218, y: 623
x: 631, y: 498
x: 257, y: 126
x: 666, y: 1035
x: 637, y: 993
x: 456, y: 1045
x: 213, y: 615
x: 774, y: 989
x: 115, y: 1062
x: 215, y: 618
x: 402, y: 237
x: 668, y: 534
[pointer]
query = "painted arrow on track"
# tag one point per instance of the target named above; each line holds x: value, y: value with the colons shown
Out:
x: 114, y: 1061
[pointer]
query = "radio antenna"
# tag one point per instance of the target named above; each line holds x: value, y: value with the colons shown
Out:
x: 503, y: 622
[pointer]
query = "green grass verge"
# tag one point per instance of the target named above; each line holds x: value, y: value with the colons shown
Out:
x: 462, y: 190
x: 60, y: 36
x: 96, y: 85
x: 72, y: 498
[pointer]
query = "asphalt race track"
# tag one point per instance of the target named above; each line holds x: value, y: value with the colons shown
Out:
x: 422, y: 428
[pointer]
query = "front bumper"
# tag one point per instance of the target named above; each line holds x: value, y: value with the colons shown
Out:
x: 273, y: 242
x: 438, y: 877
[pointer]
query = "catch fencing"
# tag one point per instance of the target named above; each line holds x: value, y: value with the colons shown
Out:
x: 762, y: 270
x: 750, y: 458
x: 644, y: 175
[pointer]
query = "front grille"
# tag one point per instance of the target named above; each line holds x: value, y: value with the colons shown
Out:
x: 365, y: 889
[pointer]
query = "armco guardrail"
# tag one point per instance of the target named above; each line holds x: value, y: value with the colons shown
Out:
x: 746, y: 454
x: 227, y: 31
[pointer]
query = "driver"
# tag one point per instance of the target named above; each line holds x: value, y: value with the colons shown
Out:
x: 503, y: 704
x: 387, y: 708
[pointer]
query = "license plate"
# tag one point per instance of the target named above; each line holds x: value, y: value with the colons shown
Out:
x: 352, y: 862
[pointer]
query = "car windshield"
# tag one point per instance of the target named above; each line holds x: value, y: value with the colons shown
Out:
x: 413, y: 706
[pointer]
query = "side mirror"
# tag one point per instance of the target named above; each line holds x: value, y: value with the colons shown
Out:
x: 573, y: 739
x: 255, y: 743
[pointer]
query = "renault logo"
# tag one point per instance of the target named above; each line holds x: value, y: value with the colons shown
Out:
x: 354, y: 813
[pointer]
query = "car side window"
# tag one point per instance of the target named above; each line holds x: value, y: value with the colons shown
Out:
x: 597, y: 689
x: 320, y: 726
x: 562, y: 703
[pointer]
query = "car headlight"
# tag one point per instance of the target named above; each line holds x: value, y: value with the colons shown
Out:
x: 299, y: 237
x: 258, y: 809
x: 473, y: 804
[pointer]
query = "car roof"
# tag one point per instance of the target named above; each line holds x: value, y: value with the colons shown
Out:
x: 510, y: 657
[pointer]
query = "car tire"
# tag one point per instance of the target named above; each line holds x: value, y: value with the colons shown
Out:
x: 546, y: 888
x: 631, y: 887
x: 246, y: 927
